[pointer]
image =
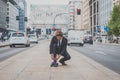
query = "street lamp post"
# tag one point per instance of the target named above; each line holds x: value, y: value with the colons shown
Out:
x: 54, y: 20
x: 57, y: 16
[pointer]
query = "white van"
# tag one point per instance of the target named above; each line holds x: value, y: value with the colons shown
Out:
x: 76, y: 37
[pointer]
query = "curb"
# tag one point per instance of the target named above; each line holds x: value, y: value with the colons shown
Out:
x: 4, y: 45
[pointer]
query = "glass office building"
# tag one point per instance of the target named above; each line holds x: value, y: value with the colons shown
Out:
x: 21, y: 20
x: 22, y: 15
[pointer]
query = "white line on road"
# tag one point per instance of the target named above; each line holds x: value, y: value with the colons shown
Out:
x: 101, y: 48
x: 101, y: 52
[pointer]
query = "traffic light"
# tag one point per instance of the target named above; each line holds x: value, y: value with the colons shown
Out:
x: 78, y: 11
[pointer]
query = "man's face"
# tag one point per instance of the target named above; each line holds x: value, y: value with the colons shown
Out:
x: 59, y: 37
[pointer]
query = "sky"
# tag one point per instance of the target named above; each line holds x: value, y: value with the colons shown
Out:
x: 48, y: 2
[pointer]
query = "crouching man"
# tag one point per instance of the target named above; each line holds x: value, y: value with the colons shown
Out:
x: 58, y: 48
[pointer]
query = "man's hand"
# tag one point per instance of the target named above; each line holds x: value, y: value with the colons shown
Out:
x: 58, y: 57
x: 55, y: 58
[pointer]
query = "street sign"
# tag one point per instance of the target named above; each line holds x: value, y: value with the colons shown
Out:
x: 106, y: 28
x: 96, y: 31
x: 99, y: 27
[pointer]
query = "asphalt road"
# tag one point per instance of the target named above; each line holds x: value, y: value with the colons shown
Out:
x: 7, y: 52
x: 107, y: 55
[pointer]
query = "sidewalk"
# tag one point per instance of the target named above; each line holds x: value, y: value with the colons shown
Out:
x: 5, y: 43
x: 34, y: 64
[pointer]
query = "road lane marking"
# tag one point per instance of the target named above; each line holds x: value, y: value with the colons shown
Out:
x: 103, y: 48
x: 101, y: 52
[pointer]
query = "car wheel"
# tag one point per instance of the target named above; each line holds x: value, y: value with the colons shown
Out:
x: 91, y: 43
x: 82, y: 45
x: 11, y: 46
x: 26, y: 45
x: 69, y: 44
x: 36, y: 42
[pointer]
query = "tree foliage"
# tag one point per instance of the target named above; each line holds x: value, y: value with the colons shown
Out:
x: 114, y: 24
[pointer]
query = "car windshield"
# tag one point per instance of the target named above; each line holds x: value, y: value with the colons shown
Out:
x: 88, y: 37
x: 17, y: 35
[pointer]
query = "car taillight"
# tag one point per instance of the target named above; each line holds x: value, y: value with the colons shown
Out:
x: 83, y: 39
x: 91, y: 38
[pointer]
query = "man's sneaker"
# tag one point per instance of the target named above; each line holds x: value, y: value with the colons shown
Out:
x: 52, y: 64
x: 55, y: 64
x: 63, y: 63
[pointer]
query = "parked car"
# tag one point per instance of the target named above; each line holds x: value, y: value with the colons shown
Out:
x: 88, y: 39
x: 19, y: 38
x: 33, y: 38
x: 76, y: 37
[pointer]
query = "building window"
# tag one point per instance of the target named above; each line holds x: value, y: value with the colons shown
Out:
x: 94, y: 8
x: 91, y: 21
x: 7, y: 9
x: 90, y: 10
x: 94, y: 19
x: 7, y: 13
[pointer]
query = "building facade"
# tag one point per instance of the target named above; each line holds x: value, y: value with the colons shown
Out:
x: 78, y: 14
x: 86, y: 15
x: 71, y: 7
x: 9, y: 14
x: 3, y: 14
x: 75, y: 20
x: 12, y: 13
x: 93, y: 4
x: 21, y: 19
x: 116, y: 2
x: 22, y: 15
x: 16, y: 12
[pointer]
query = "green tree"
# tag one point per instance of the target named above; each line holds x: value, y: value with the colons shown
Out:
x: 114, y: 24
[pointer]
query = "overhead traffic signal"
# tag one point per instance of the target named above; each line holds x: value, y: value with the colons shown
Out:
x: 78, y: 11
